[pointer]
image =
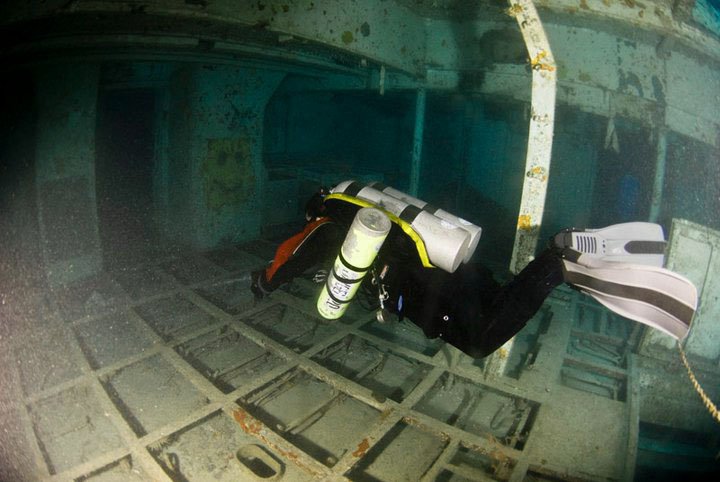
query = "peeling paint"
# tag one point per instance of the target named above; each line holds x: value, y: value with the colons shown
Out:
x: 365, y: 29
x: 539, y: 173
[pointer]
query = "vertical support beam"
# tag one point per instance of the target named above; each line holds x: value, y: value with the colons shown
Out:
x: 539, y: 150
x: 417, y: 142
x: 542, y: 121
x: 660, y: 162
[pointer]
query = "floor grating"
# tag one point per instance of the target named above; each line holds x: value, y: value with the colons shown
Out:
x: 172, y: 371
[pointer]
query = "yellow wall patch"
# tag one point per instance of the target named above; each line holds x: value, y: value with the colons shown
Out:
x: 228, y: 174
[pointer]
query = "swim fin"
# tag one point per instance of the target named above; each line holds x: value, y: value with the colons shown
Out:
x: 636, y: 243
x: 650, y: 295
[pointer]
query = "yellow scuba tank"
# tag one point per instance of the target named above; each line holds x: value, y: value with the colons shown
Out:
x: 366, y: 235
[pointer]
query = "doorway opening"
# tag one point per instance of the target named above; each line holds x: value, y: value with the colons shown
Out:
x: 124, y: 175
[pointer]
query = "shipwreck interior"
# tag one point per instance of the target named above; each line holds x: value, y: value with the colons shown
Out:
x: 155, y: 152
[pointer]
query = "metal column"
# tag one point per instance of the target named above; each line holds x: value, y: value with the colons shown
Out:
x: 537, y: 163
x: 417, y: 142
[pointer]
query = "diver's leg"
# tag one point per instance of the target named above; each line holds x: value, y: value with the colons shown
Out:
x: 515, y: 303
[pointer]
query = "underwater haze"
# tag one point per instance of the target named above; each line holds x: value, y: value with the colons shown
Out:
x: 154, y: 155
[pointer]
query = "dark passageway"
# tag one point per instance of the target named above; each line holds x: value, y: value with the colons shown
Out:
x: 125, y: 159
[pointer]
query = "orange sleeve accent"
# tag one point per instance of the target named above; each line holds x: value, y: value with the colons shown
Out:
x: 288, y: 247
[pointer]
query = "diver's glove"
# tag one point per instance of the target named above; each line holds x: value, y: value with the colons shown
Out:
x: 320, y: 276
x: 256, y: 286
x: 561, y: 244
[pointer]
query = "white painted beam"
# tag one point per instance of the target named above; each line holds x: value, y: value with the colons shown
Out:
x: 540, y: 138
x: 539, y: 150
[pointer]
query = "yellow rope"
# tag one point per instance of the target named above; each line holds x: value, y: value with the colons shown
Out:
x: 706, y: 400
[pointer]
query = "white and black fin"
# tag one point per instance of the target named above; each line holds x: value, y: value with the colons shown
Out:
x: 654, y: 296
x: 636, y: 243
x: 621, y: 266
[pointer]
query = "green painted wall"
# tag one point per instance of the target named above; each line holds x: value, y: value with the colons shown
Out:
x: 215, y: 171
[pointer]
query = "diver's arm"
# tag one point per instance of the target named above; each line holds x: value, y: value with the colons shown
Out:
x: 319, y: 240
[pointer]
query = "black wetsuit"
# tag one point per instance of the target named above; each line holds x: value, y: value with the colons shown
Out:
x: 467, y: 308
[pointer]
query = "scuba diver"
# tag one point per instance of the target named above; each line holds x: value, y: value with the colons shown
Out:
x: 421, y: 269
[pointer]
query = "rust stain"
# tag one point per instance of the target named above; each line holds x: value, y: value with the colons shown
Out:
x: 537, y: 63
x: 247, y: 423
x: 252, y: 426
x: 524, y: 222
x: 292, y: 456
x: 501, y: 463
x: 286, y: 453
x: 538, y: 172
x: 362, y: 448
x: 417, y: 423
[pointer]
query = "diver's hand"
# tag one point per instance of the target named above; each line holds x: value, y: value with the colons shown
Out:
x: 256, y: 284
x: 320, y: 276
